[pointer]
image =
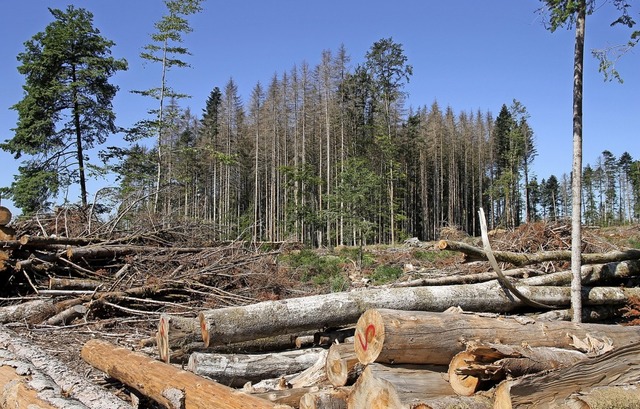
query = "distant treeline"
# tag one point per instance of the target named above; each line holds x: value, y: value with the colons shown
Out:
x: 330, y: 155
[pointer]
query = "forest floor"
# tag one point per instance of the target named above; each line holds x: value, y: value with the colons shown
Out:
x: 244, y: 277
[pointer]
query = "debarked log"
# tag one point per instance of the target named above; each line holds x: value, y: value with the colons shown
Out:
x: 395, y: 386
x: 619, y: 397
x: 332, y: 398
x: 419, y: 337
x: 75, y: 386
x: 235, y: 324
x: 164, y: 383
x: 343, y: 367
x: 554, y: 389
x: 237, y: 369
x: 522, y: 259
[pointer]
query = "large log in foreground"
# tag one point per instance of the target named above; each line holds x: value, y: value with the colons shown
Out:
x: 264, y: 319
x: 419, y: 337
x: 615, y: 368
x: 165, y: 384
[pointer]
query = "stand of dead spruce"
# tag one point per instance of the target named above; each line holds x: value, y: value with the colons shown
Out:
x: 74, y: 288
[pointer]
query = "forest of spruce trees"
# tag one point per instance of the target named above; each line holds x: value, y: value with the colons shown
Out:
x: 330, y: 156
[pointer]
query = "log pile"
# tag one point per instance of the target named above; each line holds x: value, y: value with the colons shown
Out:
x: 172, y: 323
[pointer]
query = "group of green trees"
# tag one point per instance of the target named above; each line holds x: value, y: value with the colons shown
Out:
x: 324, y: 154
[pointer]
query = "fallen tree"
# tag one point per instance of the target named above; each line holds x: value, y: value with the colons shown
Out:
x: 420, y: 337
x: 165, y: 384
x: 264, y: 319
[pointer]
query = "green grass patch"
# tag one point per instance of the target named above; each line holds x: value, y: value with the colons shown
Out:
x: 427, y: 255
x: 385, y: 274
x: 323, y: 270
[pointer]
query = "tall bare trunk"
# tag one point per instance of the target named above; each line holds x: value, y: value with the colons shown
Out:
x: 576, y: 187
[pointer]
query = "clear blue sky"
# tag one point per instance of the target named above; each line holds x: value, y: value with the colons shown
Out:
x: 468, y: 54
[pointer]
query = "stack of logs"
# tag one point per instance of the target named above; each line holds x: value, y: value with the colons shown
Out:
x: 406, y: 359
x: 414, y: 345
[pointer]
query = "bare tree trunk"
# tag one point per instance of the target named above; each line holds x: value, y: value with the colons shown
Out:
x: 576, y: 186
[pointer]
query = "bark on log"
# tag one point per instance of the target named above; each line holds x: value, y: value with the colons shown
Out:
x: 484, y: 365
x: 382, y: 386
x: 592, y: 274
x: 522, y: 259
x: 67, y: 316
x: 618, y: 397
x: 618, y: 367
x: 334, y: 398
x: 43, y: 242
x: 468, y: 278
x: 57, y: 283
x: 22, y: 385
x: 235, y: 324
x: 392, y: 336
x: 237, y: 369
x: 75, y: 386
x: 164, y: 383
x: 35, y: 311
x: 342, y: 365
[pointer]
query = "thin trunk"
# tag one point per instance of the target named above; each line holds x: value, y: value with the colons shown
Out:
x: 576, y: 216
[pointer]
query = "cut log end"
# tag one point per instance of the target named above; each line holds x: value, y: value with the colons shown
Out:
x: 369, y: 336
x: 464, y: 385
x: 5, y: 216
x: 336, y: 368
x: 162, y: 339
x: 204, y: 328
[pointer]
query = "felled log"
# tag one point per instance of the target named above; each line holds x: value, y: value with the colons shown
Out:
x: 289, y: 397
x: 42, y: 242
x: 59, y: 283
x: 332, y: 398
x: 234, y: 324
x: 590, y: 314
x: 237, y: 369
x: 5, y: 216
x: 393, y: 386
x: 489, y: 364
x: 522, y: 259
x: 342, y: 366
x: 74, y: 385
x: 34, y: 311
x: 7, y: 233
x: 175, y: 332
x: 468, y: 278
x: 419, y: 337
x: 164, y: 383
x: 591, y: 274
x: 618, y: 367
x: 67, y: 316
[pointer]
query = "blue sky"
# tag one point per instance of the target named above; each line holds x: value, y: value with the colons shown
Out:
x: 468, y: 54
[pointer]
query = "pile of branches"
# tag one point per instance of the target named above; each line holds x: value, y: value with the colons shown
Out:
x: 178, y: 269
